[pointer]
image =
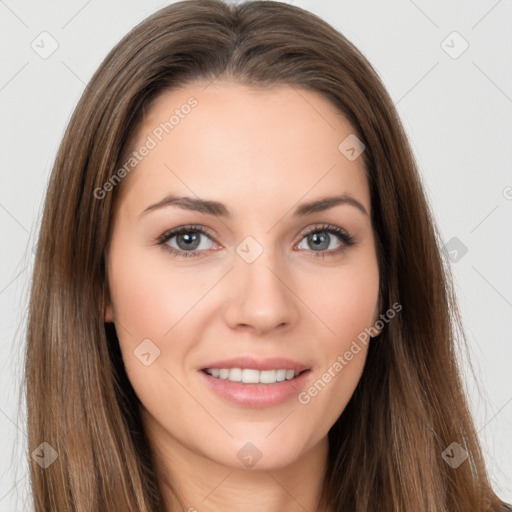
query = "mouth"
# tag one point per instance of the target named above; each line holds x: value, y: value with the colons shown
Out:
x: 260, y: 389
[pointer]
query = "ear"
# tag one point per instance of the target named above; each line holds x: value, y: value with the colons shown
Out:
x: 109, y: 313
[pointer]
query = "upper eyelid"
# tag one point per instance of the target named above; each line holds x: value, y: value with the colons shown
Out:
x: 169, y: 233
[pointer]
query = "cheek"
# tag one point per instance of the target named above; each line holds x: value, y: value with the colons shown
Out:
x: 346, y: 307
x: 150, y: 303
x: 157, y: 301
x: 148, y: 295
x: 345, y: 302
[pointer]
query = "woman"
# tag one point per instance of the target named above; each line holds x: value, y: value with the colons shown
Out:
x: 239, y: 301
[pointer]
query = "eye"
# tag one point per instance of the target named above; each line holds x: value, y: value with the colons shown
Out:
x: 320, y: 237
x: 188, y: 238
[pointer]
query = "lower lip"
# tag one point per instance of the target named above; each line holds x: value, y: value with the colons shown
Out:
x: 257, y: 396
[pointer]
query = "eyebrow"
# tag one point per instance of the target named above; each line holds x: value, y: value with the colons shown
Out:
x: 218, y: 209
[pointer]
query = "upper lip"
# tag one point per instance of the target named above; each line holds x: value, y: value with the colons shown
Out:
x: 273, y: 363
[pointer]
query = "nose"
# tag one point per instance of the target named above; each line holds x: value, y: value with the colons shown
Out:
x: 260, y: 295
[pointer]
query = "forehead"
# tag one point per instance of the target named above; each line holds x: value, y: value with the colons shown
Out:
x: 248, y: 145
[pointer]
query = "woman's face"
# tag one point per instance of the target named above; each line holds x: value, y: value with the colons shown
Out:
x: 264, y: 279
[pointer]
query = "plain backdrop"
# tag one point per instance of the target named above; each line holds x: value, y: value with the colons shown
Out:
x: 448, y: 68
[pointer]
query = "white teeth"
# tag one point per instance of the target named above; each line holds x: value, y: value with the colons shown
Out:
x: 235, y: 375
x: 250, y: 376
x: 247, y: 376
x: 280, y: 375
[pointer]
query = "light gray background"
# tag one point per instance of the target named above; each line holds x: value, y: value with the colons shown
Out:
x: 456, y: 111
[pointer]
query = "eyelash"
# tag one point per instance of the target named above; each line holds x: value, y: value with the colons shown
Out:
x: 347, y: 239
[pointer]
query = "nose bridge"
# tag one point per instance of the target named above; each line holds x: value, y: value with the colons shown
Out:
x: 255, y: 261
x: 257, y: 264
x: 261, y: 297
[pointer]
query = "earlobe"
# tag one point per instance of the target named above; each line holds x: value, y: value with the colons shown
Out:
x: 107, y: 305
x: 109, y: 314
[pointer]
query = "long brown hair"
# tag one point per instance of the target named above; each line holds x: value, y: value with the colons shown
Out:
x: 385, y: 450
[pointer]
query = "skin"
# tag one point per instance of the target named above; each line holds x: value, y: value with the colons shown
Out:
x: 261, y: 153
